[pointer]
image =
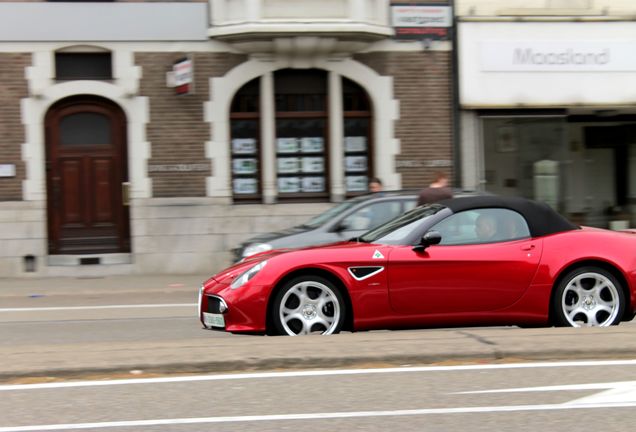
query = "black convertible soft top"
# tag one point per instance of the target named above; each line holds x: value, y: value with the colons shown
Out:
x: 542, y: 219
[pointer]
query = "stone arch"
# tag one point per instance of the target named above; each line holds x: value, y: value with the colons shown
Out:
x: 379, y: 88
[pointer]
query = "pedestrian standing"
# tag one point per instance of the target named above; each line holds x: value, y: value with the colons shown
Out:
x: 436, y: 191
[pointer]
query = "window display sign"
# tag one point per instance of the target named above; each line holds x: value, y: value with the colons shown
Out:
x: 356, y: 183
x: 287, y: 145
x: 356, y: 163
x: 244, y: 146
x: 289, y: 184
x: 313, y: 164
x: 288, y: 165
x: 311, y: 144
x: 244, y: 166
x: 313, y: 184
x: 355, y: 144
x: 245, y: 186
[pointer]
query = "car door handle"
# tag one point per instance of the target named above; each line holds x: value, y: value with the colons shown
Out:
x: 527, y: 247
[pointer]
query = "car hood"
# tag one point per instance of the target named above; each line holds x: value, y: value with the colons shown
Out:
x: 227, y: 275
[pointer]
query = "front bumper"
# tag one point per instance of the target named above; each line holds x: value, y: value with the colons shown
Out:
x: 237, y: 311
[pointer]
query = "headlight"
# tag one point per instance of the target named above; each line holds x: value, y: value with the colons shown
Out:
x: 256, y: 248
x: 246, y: 276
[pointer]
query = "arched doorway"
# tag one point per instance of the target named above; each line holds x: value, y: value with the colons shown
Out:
x: 87, y: 177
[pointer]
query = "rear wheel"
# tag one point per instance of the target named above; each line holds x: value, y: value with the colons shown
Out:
x: 308, y: 305
x: 589, y: 297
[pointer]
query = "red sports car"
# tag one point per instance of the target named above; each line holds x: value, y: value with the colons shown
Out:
x: 483, y: 260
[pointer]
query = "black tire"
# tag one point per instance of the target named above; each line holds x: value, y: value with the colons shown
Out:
x: 308, y: 305
x: 588, y: 296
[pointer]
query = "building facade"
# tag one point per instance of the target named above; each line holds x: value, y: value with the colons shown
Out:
x: 548, y: 108
x: 145, y: 137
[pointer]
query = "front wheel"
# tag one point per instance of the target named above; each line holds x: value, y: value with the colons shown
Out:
x: 308, y: 305
x: 589, y: 297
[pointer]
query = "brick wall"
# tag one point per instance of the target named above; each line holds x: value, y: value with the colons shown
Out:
x: 13, y: 87
x: 422, y: 85
x: 177, y: 131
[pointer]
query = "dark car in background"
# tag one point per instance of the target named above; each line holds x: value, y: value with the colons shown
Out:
x: 346, y: 220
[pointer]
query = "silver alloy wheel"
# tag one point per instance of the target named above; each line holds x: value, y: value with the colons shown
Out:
x: 309, y: 307
x: 590, y: 299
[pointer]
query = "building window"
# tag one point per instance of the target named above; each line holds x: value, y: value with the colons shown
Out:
x: 245, y: 144
x: 301, y: 148
x: 357, y: 138
x: 83, y: 66
x: 301, y: 134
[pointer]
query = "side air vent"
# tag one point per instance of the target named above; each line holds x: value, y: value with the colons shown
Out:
x: 362, y: 273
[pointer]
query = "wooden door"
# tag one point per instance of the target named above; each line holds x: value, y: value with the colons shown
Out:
x: 86, y: 176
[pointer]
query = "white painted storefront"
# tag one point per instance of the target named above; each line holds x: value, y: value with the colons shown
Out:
x: 548, y: 112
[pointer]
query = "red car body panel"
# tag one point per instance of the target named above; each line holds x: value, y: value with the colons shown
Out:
x: 497, y: 283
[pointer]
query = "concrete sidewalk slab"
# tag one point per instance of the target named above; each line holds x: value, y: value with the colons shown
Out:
x: 107, y: 284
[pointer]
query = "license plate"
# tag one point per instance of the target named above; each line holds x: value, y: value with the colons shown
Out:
x: 213, y: 320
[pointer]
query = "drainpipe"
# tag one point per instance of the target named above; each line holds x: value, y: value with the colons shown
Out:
x: 455, y: 116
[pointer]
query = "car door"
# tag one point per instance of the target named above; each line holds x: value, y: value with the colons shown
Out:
x: 465, y: 272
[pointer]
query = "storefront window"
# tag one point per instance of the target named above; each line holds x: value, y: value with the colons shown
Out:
x: 357, y: 138
x: 301, y: 142
x: 579, y: 165
x: 245, y: 144
x: 301, y: 134
x: 525, y: 157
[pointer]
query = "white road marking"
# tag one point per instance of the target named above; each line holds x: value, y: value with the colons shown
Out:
x: 312, y: 416
x: 614, y: 392
x: 335, y: 372
x: 66, y: 308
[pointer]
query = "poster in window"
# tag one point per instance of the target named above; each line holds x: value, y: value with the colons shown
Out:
x: 313, y: 184
x: 355, y: 144
x: 356, y: 183
x: 311, y: 144
x: 245, y: 186
x: 287, y: 145
x: 288, y: 165
x: 288, y: 184
x: 313, y: 165
x: 356, y: 163
x: 243, y: 146
x: 506, y: 139
x: 244, y: 166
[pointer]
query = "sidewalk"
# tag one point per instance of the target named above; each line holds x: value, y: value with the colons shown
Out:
x: 210, y: 352
x: 107, y: 284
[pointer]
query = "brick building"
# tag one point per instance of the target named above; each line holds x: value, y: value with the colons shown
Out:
x: 141, y: 137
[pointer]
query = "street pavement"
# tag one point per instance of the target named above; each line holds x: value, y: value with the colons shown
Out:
x: 248, y: 353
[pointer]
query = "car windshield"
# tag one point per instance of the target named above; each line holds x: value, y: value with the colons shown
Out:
x: 397, y: 230
x: 322, y: 218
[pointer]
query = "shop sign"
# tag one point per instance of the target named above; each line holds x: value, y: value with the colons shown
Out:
x: 419, y: 22
x: 179, y: 168
x: 557, y: 56
x: 183, y: 76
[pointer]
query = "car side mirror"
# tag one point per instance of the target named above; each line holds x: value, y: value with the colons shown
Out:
x: 341, y: 226
x: 428, y: 239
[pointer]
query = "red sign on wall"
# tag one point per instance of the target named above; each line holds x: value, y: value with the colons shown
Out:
x: 183, y: 76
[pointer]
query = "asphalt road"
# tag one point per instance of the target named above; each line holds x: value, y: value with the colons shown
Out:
x: 599, y: 396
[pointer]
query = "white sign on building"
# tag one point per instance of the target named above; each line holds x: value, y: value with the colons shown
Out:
x: 557, y: 56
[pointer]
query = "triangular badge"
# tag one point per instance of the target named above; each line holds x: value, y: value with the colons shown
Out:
x: 377, y: 255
